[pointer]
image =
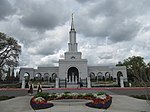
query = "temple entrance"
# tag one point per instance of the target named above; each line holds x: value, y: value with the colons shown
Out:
x: 73, y: 75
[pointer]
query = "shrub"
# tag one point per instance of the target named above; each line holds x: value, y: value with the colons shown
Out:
x: 43, y: 95
x: 89, y: 95
x: 101, y: 93
x: 6, y: 97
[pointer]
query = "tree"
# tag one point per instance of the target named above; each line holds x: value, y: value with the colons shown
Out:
x: 139, y: 71
x: 135, y: 67
x: 9, y: 53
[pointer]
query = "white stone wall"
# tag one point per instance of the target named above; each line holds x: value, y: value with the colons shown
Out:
x: 99, y: 69
x: 112, y: 70
x: 40, y: 70
x: 80, y: 65
x: 121, y: 69
x: 84, y: 70
x: 76, y: 55
x: 46, y: 70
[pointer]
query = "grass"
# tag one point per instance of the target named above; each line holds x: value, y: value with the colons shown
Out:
x: 144, y: 97
x: 6, y: 97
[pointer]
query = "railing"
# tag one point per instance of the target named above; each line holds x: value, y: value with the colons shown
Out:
x: 62, y: 83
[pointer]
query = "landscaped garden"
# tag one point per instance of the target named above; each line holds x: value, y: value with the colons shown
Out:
x: 99, y: 100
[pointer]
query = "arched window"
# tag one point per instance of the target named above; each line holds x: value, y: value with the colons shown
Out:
x: 92, y: 75
x: 107, y: 76
x: 46, y: 76
x: 99, y: 76
x: 54, y: 76
x: 38, y: 77
x: 27, y: 76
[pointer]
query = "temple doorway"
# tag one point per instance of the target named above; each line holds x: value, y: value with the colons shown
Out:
x: 73, y: 75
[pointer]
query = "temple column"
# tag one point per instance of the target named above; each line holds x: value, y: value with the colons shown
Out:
x: 23, y: 83
x: 88, y: 82
x: 121, y: 82
x: 57, y: 83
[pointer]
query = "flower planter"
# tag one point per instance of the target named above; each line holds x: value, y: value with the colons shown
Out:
x: 43, y: 104
x: 99, y: 100
x: 101, y: 103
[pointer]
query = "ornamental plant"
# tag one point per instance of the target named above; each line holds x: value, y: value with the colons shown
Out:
x: 39, y: 103
x: 99, y: 100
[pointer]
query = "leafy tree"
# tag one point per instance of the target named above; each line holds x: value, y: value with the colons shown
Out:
x: 135, y: 67
x: 9, y: 53
x: 139, y: 71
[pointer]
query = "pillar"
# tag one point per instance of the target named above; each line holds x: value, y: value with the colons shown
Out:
x: 57, y: 83
x: 23, y: 83
x: 121, y: 82
x: 88, y: 82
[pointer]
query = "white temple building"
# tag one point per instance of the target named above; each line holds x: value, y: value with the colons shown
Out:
x: 73, y: 68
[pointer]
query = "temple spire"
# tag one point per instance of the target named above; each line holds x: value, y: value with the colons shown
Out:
x: 72, y: 38
x: 72, y: 24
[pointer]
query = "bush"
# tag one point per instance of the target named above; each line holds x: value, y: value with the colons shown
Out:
x: 43, y: 95
x: 101, y: 93
x: 6, y: 97
x: 89, y: 95
x: 66, y: 92
x: 17, y: 85
x: 144, y: 97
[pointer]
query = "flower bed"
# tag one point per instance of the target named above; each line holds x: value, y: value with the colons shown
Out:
x: 100, y: 103
x: 39, y: 103
x: 98, y: 100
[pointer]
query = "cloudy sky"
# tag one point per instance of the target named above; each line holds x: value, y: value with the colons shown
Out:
x: 108, y: 31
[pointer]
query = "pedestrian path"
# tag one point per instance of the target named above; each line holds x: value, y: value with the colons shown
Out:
x: 18, y: 104
x: 120, y: 103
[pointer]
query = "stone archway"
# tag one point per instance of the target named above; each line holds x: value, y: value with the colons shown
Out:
x: 27, y: 76
x: 73, y: 74
x: 46, y: 77
x: 99, y: 76
x: 119, y: 74
x: 26, y: 80
x: 92, y: 76
x: 38, y: 77
x: 107, y: 76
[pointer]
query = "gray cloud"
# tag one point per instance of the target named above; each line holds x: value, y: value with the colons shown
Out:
x: 111, y: 18
x: 124, y: 31
x: 43, y: 15
x: 42, y: 27
x: 6, y: 9
x: 84, y: 1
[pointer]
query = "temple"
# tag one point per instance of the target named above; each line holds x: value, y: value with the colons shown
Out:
x: 74, y: 69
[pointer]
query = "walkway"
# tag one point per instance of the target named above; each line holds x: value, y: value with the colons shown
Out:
x: 120, y: 103
x: 18, y: 104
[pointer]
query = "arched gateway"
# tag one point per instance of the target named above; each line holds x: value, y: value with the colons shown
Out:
x: 73, y: 74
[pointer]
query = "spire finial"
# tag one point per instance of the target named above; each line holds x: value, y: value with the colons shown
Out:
x: 72, y: 25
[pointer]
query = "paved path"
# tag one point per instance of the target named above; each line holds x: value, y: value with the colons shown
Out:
x: 123, y: 103
x: 18, y: 104
x: 120, y: 103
